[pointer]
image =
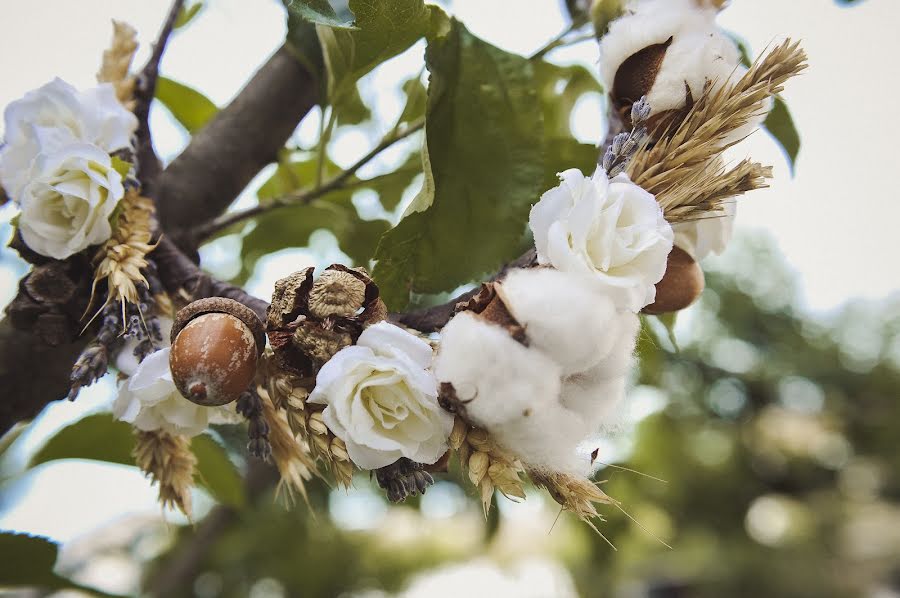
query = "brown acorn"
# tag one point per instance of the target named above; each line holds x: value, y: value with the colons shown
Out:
x: 680, y: 286
x: 215, y: 346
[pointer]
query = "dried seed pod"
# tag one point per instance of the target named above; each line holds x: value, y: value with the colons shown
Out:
x: 215, y: 346
x: 680, y: 286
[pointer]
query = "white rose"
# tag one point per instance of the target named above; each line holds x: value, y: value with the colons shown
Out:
x: 66, y: 205
x: 126, y: 361
x: 612, y: 231
x: 707, y: 234
x: 381, y: 399
x: 55, y: 115
x: 149, y: 401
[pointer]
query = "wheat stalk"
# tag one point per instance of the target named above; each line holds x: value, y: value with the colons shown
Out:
x: 117, y: 62
x: 684, y: 169
x: 167, y: 460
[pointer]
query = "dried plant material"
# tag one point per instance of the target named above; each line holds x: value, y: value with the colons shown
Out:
x: 289, y: 392
x: 124, y: 255
x: 684, y: 169
x: 168, y: 461
x: 117, y: 62
x: 575, y: 494
x: 337, y: 293
x: 292, y: 458
x: 309, y: 320
x: 487, y: 466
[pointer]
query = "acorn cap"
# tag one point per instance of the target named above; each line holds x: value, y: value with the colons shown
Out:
x: 221, y: 305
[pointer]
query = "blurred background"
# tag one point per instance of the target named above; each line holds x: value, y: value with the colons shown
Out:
x: 772, y: 414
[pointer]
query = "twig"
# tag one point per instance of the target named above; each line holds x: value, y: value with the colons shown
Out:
x: 148, y: 165
x: 560, y: 40
x: 205, y: 231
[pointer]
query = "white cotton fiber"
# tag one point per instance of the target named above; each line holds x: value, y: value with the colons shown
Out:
x: 564, y: 315
x: 547, y: 439
x: 499, y: 378
x: 699, y: 50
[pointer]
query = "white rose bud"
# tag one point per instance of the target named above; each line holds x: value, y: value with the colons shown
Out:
x: 612, y: 231
x: 381, y: 399
x: 149, y: 401
x: 55, y: 115
x: 68, y: 200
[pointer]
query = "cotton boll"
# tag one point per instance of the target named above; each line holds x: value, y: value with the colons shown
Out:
x: 497, y: 378
x: 593, y: 398
x: 693, y: 49
x: 618, y: 361
x: 564, y: 315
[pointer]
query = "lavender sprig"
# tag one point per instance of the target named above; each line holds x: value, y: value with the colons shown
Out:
x: 625, y: 144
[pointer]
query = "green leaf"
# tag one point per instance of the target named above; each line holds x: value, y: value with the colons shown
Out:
x: 559, y: 89
x: 216, y: 472
x: 384, y: 29
x: 352, y: 110
x: 318, y: 12
x: 99, y: 437
x: 292, y: 176
x: 416, y: 97
x: 28, y: 562
x: 292, y: 226
x: 668, y: 321
x: 120, y: 166
x: 187, y: 14
x: 781, y: 126
x: 484, y: 151
x: 188, y: 106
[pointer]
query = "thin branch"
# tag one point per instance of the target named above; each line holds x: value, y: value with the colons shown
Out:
x: 205, y: 231
x: 148, y: 165
x: 560, y: 40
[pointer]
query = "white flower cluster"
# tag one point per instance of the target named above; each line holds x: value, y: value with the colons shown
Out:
x: 381, y: 399
x: 699, y: 52
x: 149, y: 400
x: 607, y: 242
x: 55, y: 164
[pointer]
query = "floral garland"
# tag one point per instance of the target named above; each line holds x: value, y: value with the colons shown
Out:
x: 526, y: 372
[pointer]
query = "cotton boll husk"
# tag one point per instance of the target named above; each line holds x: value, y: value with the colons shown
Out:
x: 699, y: 50
x: 498, y: 378
x: 564, y: 315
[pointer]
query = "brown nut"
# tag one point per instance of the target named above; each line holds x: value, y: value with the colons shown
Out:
x: 680, y: 286
x: 215, y: 346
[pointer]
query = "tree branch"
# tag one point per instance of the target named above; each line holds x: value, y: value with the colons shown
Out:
x: 148, y: 164
x: 228, y: 152
x: 205, y: 231
x: 178, y: 272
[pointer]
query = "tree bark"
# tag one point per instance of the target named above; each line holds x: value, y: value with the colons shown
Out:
x: 227, y: 153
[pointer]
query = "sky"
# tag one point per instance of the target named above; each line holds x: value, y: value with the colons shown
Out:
x: 834, y: 221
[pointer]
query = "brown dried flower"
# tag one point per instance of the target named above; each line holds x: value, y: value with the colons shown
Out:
x: 310, y: 320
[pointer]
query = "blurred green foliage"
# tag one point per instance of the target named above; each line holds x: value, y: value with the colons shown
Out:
x: 777, y: 439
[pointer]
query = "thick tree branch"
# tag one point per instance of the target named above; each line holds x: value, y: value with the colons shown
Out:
x: 204, y: 231
x: 228, y: 152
